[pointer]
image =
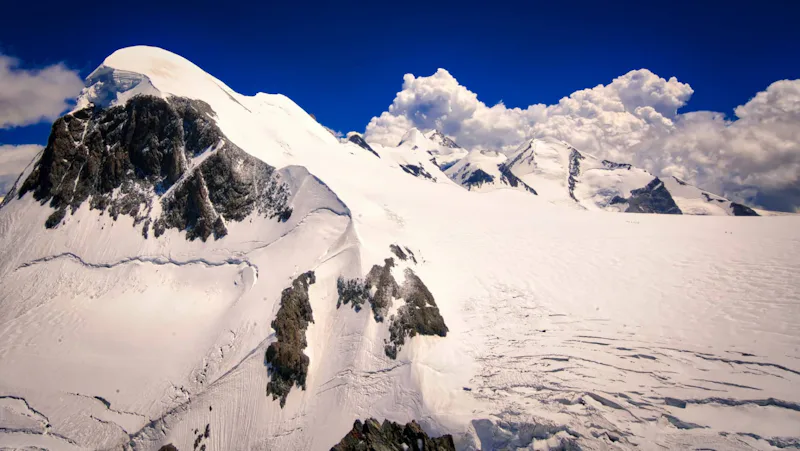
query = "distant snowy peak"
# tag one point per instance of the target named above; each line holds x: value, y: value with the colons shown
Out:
x: 442, y: 151
x: 441, y: 139
x: 561, y: 174
x: 415, y: 138
x: 694, y: 201
x: 485, y: 170
x: 358, y: 140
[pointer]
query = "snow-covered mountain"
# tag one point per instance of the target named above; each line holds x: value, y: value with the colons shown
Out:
x: 561, y: 174
x: 186, y: 267
x: 484, y: 170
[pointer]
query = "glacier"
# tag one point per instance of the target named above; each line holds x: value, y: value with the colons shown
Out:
x: 569, y: 325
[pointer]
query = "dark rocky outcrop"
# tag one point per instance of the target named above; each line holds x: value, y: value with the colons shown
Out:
x: 476, y: 178
x: 391, y: 436
x: 613, y: 165
x: 417, y: 171
x: 411, y: 255
x: 742, y: 210
x: 168, y: 447
x: 419, y: 315
x: 512, y: 180
x: 440, y: 138
x: 124, y: 158
x: 352, y: 291
x: 386, y: 288
x: 398, y: 252
x: 287, y: 363
x: 359, y: 141
x: 710, y: 198
x: 653, y: 198
x: 575, y: 158
x: 403, y: 253
x: 680, y: 182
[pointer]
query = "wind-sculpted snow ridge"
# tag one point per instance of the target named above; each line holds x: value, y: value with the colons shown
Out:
x: 125, y: 159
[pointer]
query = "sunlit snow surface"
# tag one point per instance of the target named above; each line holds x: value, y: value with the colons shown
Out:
x: 610, y: 330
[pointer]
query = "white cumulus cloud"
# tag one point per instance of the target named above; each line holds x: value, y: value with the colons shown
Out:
x: 13, y: 160
x: 754, y: 157
x: 31, y: 96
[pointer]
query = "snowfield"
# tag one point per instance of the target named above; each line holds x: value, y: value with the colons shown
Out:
x: 568, y: 328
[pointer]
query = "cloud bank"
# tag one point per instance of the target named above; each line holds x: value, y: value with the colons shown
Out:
x: 13, y: 160
x: 754, y: 157
x: 31, y: 96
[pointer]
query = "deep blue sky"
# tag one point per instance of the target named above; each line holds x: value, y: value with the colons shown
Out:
x: 344, y: 61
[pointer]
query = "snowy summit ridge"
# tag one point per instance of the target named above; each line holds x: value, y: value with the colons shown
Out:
x: 184, y: 265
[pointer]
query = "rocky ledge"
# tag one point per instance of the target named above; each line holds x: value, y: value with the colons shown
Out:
x: 390, y: 436
x: 419, y: 315
x: 285, y: 360
x: 125, y: 158
x: 653, y: 198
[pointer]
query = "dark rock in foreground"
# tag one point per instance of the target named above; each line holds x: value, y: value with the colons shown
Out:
x: 287, y: 363
x: 391, y: 436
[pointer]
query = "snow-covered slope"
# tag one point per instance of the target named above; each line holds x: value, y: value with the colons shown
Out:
x: 502, y: 318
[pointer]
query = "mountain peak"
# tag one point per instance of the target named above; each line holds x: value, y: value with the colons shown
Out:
x: 153, y: 71
x: 413, y: 137
x: 441, y: 139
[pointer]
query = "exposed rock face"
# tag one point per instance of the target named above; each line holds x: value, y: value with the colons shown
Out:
x: 612, y: 165
x: 477, y: 178
x: 386, y: 288
x: 513, y: 180
x: 352, y: 291
x: 359, y: 141
x: 440, y: 138
x: 419, y: 315
x: 287, y: 363
x: 398, y: 252
x: 124, y: 158
x: 391, y: 436
x: 417, y: 171
x: 575, y: 158
x: 742, y: 210
x: 653, y: 198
